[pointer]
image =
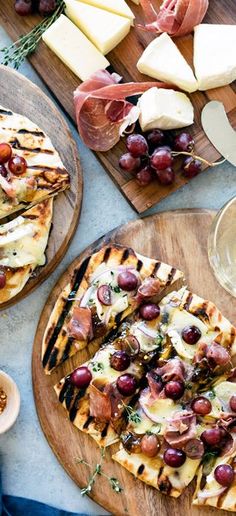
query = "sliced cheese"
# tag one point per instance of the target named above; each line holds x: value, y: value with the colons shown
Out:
x: 163, y: 61
x: 164, y: 109
x: 114, y: 6
x: 178, y: 321
x: 163, y: 409
x: 103, y: 28
x: 214, y: 55
x: 73, y: 48
x: 100, y: 365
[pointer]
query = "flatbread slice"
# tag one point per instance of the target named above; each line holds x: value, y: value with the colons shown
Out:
x: 78, y: 301
x: 45, y: 175
x: 22, y: 247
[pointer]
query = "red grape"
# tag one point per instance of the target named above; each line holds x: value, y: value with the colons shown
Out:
x: 127, y: 281
x: 232, y: 403
x: 194, y: 449
x: 161, y: 159
x: 17, y: 165
x: 81, y: 377
x: 126, y: 384
x: 137, y: 145
x: 47, y: 7
x: 150, y: 445
x: 149, y: 311
x: 191, y: 334
x: 104, y: 295
x: 3, y: 279
x: 183, y: 142
x: 155, y: 137
x: 144, y: 176
x: 23, y: 7
x: 212, y: 436
x: 5, y: 152
x: 174, y: 389
x: 130, y: 345
x: 166, y: 176
x: 174, y: 458
x: 191, y: 167
x: 202, y: 406
x: 128, y: 162
x: 3, y: 171
x: 120, y: 360
x: 224, y: 474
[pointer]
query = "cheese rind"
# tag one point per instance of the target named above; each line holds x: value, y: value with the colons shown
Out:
x: 163, y: 61
x: 214, y: 55
x: 164, y: 109
x: 106, y: 30
x: 114, y: 6
x: 71, y: 46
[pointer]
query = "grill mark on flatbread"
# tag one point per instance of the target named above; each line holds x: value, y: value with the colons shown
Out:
x: 43, y: 168
x: 67, y: 349
x: 140, y: 469
x: 188, y: 301
x: 63, y: 391
x: 16, y: 145
x: 201, y: 312
x: 78, y: 278
x: 88, y: 422
x: 6, y: 112
x: 74, y: 408
x: 171, y: 276
x: 156, y: 268
x: 125, y: 255
x: 34, y: 133
x: 139, y: 265
x: 53, y: 358
x: 107, y: 254
x: 104, y: 431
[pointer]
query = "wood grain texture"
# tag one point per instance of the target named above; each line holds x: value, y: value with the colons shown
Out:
x: 62, y: 82
x: 171, y: 237
x: 22, y: 96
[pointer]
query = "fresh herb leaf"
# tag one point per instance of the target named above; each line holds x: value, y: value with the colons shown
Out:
x: 97, y: 366
x: 132, y: 415
x: 188, y: 386
x: 211, y: 394
x: 158, y: 342
x: 209, y: 455
x: 97, y: 470
x: 116, y: 289
x: 165, y: 318
x: 16, y: 53
x: 155, y: 429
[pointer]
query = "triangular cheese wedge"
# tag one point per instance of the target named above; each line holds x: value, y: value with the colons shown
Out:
x: 214, y: 55
x: 103, y: 28
x: 114, y: 6
x: 163, y: 61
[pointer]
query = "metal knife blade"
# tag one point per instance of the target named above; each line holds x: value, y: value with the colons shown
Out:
x: 219, y: 130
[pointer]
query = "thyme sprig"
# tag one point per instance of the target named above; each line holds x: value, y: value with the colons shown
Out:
x: 16, y: 53
x: 132, y: 415
x: 97, y: 470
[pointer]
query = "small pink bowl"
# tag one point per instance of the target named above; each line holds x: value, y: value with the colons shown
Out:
x: 11, y: 411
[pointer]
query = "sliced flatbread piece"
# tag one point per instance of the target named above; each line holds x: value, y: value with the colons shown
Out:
x: 45, y: 174
x: 22, y: 247
x: 79, y: 298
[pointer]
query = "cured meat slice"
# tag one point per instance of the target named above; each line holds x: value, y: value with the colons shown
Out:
x: 102, y: 111
x: 176, y: 17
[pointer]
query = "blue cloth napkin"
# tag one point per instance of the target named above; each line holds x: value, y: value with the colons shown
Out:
x: 16, y: 506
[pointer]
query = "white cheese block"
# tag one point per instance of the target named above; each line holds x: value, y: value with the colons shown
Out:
x: 103, y: 28
x: 114, y: 6
x: 163, y: 61
x: 73, y: 48
x: 18, y: 247
x: 214, y: 55
x: 164, y: 109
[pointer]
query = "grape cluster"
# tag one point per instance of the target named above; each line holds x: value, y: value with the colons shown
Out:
x: 44, y: 7
x: 152, y: 156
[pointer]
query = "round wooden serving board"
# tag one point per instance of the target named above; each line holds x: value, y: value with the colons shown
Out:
x: 178, y: 238
x: 22, y: 96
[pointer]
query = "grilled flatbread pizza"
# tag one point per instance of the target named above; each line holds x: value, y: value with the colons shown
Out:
x: 22, y: 247
x: 43, y: 175
x: 107, y: 287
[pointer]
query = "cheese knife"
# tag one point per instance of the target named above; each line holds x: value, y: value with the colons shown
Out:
x: 218, y: 129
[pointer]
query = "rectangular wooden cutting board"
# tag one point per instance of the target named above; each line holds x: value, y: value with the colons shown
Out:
x: 62, y: 82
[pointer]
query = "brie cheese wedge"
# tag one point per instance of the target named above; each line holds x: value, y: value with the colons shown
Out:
x: 106, y: 30
x: 163, y: 61
x: 164, y: 109
x: 114, y: 6
x: 214, y: 55
x: 71, y: 46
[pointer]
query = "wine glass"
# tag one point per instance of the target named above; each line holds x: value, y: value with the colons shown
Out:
x: 222, y: 246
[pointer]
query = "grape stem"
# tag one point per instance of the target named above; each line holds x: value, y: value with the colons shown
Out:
x: 27, y: 44
x: 192, y: 155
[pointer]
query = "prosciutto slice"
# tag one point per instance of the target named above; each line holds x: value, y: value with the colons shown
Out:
x: 80, y: 325
x: 173, y: 370
x: 181, y: 428
x: 105, y: 401
x: 176, y: 17
x: 102, y: 111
